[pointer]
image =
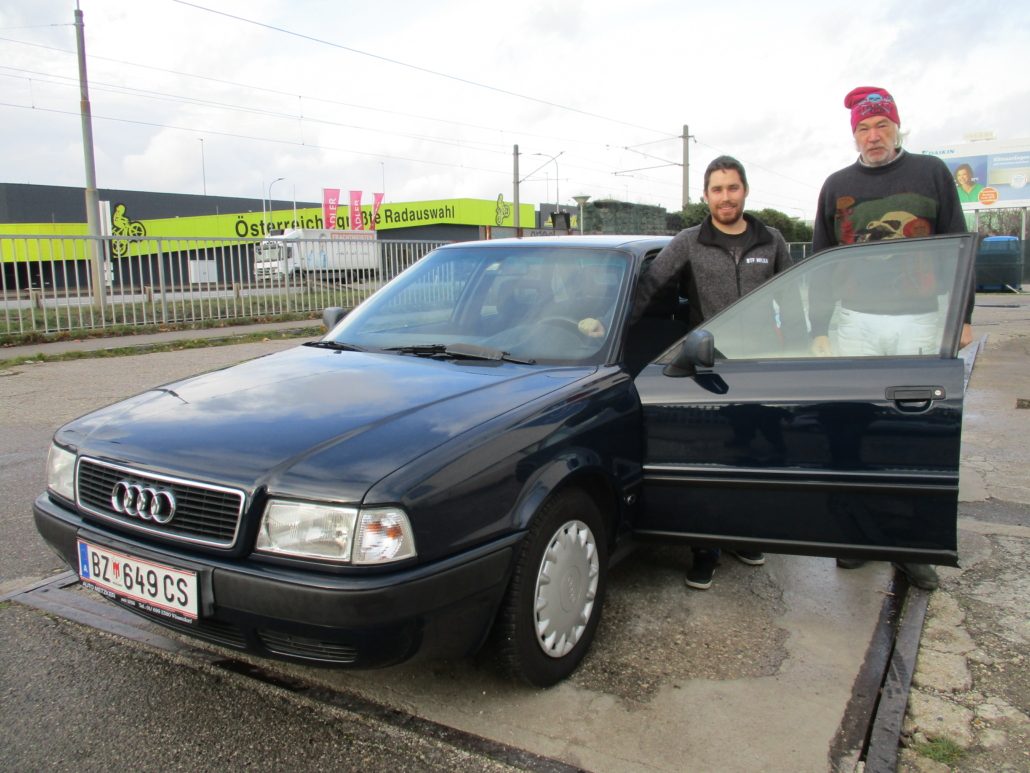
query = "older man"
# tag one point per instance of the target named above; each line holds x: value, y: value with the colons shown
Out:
x: 886, y: 194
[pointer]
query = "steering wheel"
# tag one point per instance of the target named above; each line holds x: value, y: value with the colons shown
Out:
x: 564, y: 324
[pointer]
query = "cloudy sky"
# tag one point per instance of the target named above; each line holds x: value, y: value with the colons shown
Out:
x: 426, y: 99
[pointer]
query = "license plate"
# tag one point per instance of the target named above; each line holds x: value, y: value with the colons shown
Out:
x: 138, y: 583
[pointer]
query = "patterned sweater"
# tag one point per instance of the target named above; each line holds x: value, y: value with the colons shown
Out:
x: 913, y: 195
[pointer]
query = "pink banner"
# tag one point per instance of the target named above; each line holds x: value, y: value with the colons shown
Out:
x: 356, y: 223
x: 330, y: 202
x: 377, y: 201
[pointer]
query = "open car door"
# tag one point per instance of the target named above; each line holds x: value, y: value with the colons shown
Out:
x: 767, y: 446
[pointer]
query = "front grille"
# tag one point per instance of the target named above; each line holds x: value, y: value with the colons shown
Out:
x: 204, y: 513
x: 312, y: 649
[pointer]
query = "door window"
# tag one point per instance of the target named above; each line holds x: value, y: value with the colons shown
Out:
x: 887, y: 298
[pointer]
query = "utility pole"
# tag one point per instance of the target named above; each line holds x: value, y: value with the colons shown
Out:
x: 92, y: 196
x: 203, y: 166
x: 686, y: 165
x: 517, y: 221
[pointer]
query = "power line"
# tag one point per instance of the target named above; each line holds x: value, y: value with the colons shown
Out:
x: 317, y: 99
x: 415, y: 67
x: 196, y: 101
x: 759, y: 166
x: 259, y: 139
x: 505, y: 173
x: 184, y: 99
x: 191, y: 100
x: 36, y: 26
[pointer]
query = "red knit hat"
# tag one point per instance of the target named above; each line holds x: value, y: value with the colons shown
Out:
x: 867, y: 101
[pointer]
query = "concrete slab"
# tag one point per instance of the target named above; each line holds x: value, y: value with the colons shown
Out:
x: 753, y: 675
x: 995, y: 455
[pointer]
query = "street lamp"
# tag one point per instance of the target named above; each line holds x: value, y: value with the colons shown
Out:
x: 581, y: 200
x: 279, y: 179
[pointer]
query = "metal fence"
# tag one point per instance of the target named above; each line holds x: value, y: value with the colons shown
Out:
x: 799, y: 250
x: 48, y: 282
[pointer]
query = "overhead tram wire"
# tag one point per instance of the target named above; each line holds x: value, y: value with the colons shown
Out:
x: 197, y: 102
x: 417, y: 67
x: 505, y: 172
x: 319, y: 99
x: 758, y: 166
x: 409, y: 115
x: 131, y: 91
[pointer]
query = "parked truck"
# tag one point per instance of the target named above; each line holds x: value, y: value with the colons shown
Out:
x: 344, y: 256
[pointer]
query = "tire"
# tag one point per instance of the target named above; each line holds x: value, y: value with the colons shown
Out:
x: 563, y: 562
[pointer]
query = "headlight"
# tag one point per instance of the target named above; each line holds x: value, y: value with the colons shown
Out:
x: 308, y: 530
x: 60, y: 472
x: 383, y: 536
x: 333, y: 533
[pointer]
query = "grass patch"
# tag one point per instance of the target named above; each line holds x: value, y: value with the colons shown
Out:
x: 170, y: 346
x: 940, y: 750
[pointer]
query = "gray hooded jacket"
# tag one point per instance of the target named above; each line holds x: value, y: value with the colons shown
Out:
x: 707, y: 274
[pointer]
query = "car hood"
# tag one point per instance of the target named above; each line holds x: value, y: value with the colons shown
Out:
x: 308, y: 423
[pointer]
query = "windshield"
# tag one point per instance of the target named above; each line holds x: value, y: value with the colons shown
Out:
x: 552, y: 305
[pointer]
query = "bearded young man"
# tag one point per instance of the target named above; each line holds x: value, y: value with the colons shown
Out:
x: 713, y: 264
x: 886, y: 194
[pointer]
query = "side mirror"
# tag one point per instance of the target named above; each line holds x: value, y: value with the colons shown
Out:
x: 698, y: 349
x: 332, y: 316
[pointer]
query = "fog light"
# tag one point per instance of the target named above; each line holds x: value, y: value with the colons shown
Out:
x: 383, y: 535
x: 307, y: 530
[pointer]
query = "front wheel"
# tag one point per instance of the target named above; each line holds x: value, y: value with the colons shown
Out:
x: 553, y: 604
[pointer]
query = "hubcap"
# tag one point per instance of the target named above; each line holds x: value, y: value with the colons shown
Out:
x: 566, y: 587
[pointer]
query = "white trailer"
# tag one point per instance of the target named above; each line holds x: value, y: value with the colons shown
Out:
x: 344, y: 256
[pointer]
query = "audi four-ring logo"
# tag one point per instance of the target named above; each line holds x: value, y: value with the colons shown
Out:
x: 144, y: 502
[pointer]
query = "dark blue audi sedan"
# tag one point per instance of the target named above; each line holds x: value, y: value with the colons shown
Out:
x: 463, y: 456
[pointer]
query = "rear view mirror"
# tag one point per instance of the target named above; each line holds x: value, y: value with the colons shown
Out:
x: 698, y: 349
x: 332, y: 316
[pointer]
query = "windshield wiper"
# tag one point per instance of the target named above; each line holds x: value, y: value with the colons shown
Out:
x: 337, y: 345
x: 458, y: 351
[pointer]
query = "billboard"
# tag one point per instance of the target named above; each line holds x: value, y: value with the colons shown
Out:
x: 989, y: 175
x: 258, y: 225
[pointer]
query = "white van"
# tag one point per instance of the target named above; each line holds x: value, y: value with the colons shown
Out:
x: 344, y: 256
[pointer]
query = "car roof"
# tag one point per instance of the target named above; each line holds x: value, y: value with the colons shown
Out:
x: 635, y: 244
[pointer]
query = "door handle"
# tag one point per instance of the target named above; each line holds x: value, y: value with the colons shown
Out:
x: 915, y: 394
x: 915, y: 399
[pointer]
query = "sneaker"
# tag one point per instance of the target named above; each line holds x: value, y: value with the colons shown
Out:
x: 700, y: 574
x: 751, y: 559
x: 850, y: 563
x: 921, y: 575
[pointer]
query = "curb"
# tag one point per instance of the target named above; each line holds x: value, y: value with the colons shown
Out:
x: 294, y: 332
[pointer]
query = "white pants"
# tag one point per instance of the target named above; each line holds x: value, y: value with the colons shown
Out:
x: 878, y: 335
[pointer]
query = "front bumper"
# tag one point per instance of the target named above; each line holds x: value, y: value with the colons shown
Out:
x: 352, y: 621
